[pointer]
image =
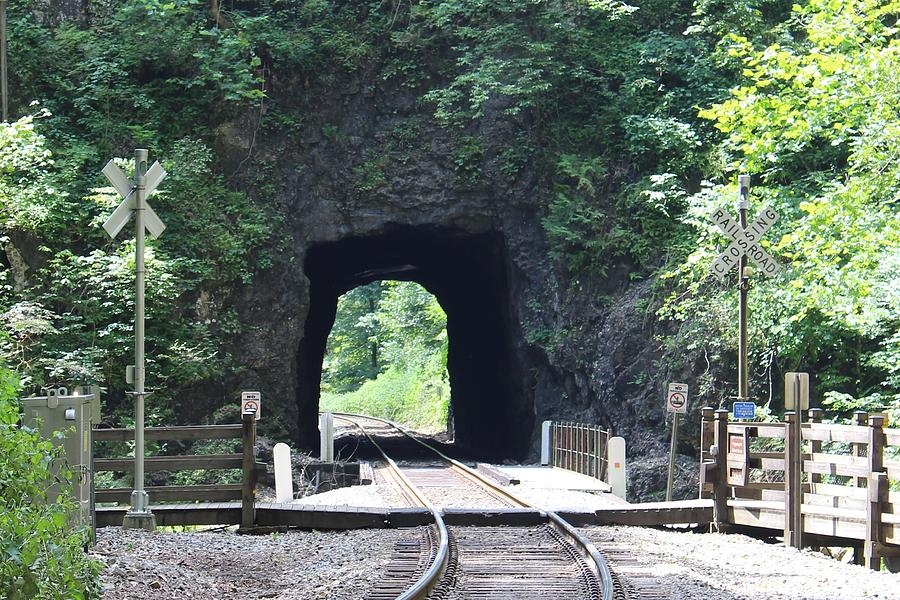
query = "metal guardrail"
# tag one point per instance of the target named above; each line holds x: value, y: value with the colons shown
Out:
x: 579, y: 447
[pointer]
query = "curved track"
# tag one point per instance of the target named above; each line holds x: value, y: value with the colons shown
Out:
x: 554, y: 559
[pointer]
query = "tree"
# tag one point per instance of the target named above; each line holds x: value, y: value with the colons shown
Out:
x: 816, y: 120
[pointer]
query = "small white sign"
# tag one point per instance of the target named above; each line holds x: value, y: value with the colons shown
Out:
x: 796, y: 391
x: 676, y: 398
x: 251, y: 401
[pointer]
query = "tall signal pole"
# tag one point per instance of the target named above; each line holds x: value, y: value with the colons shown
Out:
x: 134, y: 203
x: 4, y: 91
x: 743, y: 203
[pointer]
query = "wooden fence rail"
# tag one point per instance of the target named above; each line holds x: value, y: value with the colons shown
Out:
x: 579, y: 447
x: 244, y: 460
x: 819, y: 483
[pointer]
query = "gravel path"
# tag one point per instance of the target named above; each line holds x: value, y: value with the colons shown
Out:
x: 226, y: 566
x: 735, y: 567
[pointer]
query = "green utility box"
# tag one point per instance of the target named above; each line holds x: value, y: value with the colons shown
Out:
x: 73, y: 416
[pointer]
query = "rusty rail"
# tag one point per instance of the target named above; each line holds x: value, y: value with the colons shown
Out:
x: 580, y: 544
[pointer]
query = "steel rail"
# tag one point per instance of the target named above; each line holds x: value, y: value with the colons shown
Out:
x: 430, y: 578
x: 588, y: 551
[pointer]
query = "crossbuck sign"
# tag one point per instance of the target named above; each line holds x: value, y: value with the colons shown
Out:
x: 126, y: 189
x: 134, y: 194
x: 744, y: 242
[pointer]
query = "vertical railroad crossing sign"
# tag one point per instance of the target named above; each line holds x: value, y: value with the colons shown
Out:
x: 251, y: 401
x: 676, y: 398
x: 744, y: 242
x: 126, y: 187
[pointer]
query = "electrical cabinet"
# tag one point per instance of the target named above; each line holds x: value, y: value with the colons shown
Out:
x: 72, y: 415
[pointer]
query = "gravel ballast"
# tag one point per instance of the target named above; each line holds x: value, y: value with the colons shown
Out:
x: 214, y: 565
x: 711, y: 566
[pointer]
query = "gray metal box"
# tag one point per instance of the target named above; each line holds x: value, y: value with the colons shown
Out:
x: 72, y: 415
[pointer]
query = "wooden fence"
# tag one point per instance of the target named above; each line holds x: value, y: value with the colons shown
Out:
x: 821, y: 484
x: 244, y: 460
x: 579, y: 447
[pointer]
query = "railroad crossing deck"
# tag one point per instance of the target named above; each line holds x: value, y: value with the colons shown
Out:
x: 271, y: 514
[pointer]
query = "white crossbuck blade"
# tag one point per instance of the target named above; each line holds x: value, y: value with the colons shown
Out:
x: 744, y: 241
x: 125, y: 187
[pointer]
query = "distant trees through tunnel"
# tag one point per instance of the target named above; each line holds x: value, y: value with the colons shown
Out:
x: 386, y: 356
x: 490, y: 406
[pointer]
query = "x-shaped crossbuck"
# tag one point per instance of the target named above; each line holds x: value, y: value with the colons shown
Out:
x: 744, y: 242
x: 125, y: 187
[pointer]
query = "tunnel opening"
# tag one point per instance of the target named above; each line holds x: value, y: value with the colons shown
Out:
x: 386, y: 356
x: 491, y: 411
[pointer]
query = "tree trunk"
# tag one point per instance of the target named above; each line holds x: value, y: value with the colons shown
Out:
x: 216, y: 12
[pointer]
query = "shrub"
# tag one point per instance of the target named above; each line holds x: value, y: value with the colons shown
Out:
x: 41, y: 554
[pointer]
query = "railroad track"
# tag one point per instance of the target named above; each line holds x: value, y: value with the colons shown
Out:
x: 548, y: 561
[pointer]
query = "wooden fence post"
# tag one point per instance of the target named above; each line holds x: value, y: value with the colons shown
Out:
x: 860, y: 419
x: 248, y: 492
x: 878, y: 492
x: 793, y: 481
x: 720, y: 486
x: 815, y: 446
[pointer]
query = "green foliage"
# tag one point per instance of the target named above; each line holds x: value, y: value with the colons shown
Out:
x: 412, y: 397
x: 597, y: 113
x: 41, y: 555
x: 595, y: 97
x: 816, y: 116
x: 69, y: 316
x: 387, y: 355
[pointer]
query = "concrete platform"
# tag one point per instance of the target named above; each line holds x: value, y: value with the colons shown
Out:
x: 553, y: 478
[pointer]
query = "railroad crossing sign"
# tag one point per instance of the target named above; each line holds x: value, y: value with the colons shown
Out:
x: 126, y: 188
x: 134, y: 194
x: 744, y: 242
x: 676, y: 398
x: 251, y: 401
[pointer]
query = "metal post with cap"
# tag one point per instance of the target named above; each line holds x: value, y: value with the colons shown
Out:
x: 745, y: 244
x: 140, y: 501
x: 134, y: 193
x: 4, y: 89
x: 743, y: 203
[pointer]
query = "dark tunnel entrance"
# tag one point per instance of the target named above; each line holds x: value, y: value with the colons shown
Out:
x: 492, y: 413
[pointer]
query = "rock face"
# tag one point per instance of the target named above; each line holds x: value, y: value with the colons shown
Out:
x: 370, y: 187
x: 373, y: 189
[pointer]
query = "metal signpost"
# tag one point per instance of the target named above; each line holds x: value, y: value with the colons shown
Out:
x: 744, y: 245
x: 4, y: 91
x: 676, y: 403
x: 134, y: 194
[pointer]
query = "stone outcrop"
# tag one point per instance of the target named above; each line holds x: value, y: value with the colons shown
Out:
x: 371, y: 188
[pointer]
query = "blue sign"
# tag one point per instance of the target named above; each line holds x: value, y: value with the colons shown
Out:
x: 744, y: 410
